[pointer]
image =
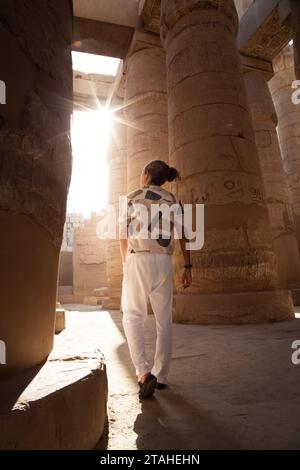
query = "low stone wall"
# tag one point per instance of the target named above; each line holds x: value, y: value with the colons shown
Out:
x: 89, y: 259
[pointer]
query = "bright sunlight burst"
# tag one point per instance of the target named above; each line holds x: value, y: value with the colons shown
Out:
x: 90, y: 135
x: 89, y: 185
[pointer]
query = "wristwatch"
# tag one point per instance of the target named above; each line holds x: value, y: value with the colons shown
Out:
x: 188, y: 266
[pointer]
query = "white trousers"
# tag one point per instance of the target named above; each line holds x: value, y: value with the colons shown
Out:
x: 148, y: 275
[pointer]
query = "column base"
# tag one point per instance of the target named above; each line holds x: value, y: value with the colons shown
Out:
x: 234, y: 308
x: 68, y: 392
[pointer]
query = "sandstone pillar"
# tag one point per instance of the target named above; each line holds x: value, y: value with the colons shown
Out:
x: 146, y: 105
x: 295, y: 7
x: 288, y: 130
x: 265, y: 122
x: 35, y: 172
x: 117, y: 158
x: 212, y: 144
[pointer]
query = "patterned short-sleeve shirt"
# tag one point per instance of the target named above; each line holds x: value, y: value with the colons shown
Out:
x: 150, y: 216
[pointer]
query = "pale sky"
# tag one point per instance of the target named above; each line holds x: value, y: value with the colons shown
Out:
x: 90, y: 134
x: 91, y: 63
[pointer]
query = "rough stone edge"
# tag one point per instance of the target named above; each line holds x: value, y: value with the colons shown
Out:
x: 75, y: 427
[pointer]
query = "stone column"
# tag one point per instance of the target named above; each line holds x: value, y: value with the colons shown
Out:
x: 265, y: 122
x: 117, y: 158
x: 295, y: 7
x: 35, y: 172
x: 212, y: 144
x: 146, y: 105
x: 288, y: 131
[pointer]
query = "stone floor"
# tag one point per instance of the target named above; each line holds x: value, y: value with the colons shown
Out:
x: 230, y: 387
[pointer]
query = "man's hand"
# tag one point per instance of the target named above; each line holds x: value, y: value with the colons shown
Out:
x: 187, y: 278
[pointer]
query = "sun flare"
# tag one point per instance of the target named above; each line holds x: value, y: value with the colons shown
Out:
x: 89, y: 186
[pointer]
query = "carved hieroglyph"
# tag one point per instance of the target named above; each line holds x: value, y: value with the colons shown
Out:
x: 146, y: 105
x: 212, y: 143
x: 34, y: 125
x: 295, y: 7
x: 288, y: 128
x: 265, y: 122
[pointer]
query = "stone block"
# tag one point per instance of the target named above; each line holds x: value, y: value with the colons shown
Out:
x: 62, y: 405
x: 60, y: 320
x: 90, y: 300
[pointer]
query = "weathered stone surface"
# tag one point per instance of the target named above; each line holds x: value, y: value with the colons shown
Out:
x: 296, y: 296
x: 65, y: 277
x: 90, y: 300
x: 99, y: 37
x: 212, y: 144
x: 62, y: 405
x: 60, y: 320
x: 265, y: 121
x: 117, y: 12
x: 150, y: 12
x: 146, y: 105
x: 173, y: 11
x: 238, y: 308
x: 89, y: 259
x: 253, y: 64
x: 34, y: 137
x: 265, y: 28
x: 117, y: 159
x: 295, y: 7
x: 28, y: 280
x: 288, y: 128
x: 35, y: 170
x: 150, y: 15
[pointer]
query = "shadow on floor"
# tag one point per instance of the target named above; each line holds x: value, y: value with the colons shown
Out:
x: 230, y: 388
x: 12, y: 386
x: 168, y: 421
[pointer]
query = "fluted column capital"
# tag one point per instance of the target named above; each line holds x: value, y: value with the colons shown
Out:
x: 284, y: 61
x: 284, y: 71
x: 172, y: 11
